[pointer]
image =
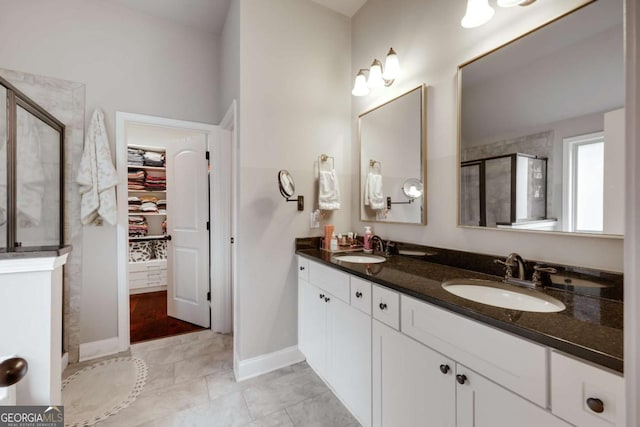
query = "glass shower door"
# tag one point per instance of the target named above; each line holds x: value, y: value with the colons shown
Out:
x: 3, y: 170
x: 38, y: 167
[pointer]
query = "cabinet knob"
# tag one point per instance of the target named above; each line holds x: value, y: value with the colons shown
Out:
x: 383, y: 306
x: 327, y: 299
x: 301, y: 268
x: 461, y: 379
x: 321, y: 296
x: 358, y: 294
x: 596, y: 405
x: 444, y: 369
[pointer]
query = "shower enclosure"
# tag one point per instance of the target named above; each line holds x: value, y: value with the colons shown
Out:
x: 503, y: 190
x: 31, y: 174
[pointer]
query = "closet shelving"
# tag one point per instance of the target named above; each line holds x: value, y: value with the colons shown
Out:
x: 149, y: 275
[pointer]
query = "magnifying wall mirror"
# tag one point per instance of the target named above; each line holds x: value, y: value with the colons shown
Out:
x: 393, y: 152
x: 288, y: 189
x: 541, y: 134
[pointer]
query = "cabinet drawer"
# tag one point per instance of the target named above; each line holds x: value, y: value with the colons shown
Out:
x: 361, y: 294
x: 514, y: 363
x: 303, y: 268
x: 331, y: 280
x: 574, y: 382
x: 385, y: 305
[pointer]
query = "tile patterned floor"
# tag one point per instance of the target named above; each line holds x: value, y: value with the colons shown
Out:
x: 190, y: 383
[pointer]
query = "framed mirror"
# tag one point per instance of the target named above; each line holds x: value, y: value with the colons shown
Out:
x: 393, y: 151
x: 541, y: 128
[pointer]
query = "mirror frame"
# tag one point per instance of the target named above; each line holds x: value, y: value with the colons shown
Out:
x: 459, y: 137
x: 423, y: 154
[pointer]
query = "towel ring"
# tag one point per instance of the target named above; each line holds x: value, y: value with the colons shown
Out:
x: 324, y: 158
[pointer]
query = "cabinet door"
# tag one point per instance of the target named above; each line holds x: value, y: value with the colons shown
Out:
x: 409, y: 388
x: 482, y: 403
x: 312, y: 321
x: 349, y: 357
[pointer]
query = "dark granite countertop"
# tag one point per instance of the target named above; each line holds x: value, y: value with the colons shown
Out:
x: 589, y: 328
x: 34, y: 252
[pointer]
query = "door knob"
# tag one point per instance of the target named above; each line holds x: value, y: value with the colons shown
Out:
x: 444, y: 369
x: 596, y: 405
x: 461, y: 379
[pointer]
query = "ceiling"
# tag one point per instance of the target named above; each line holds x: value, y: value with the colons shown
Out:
x: 204, y: 15
x: 209, y: 15
x: 345, y: 7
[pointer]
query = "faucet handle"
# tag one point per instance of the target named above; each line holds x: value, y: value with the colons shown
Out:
x: 499, y: 261
x: 508, y: 267
x: 537, y: 273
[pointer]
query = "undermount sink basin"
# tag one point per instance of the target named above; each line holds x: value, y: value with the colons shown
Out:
x: 360, y: 259
x: 503, y: 295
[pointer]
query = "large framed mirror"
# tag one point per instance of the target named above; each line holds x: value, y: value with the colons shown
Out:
x: 393, y: 151
x: 541, y: 128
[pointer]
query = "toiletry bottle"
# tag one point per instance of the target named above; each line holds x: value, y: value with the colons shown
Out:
x: 367, y: 240
x: 328, y: 232
x: 334, y: 242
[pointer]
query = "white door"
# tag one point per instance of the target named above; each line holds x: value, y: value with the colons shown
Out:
x: 481, y: 403
x: 412, y: 384
x: 187, y: 216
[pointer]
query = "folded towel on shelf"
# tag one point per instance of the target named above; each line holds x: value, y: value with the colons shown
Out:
x: 373, y: 194
x: 97, y: 178
x: 329, y: 190
x: 152, y: 158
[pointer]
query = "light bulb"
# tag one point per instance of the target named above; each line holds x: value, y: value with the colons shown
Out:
x: 478, y: 13
x: 391, y: 66
x: 375, y: 75
x: 360, y: 86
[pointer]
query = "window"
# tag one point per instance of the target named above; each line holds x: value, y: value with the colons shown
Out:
x: 584, y: 183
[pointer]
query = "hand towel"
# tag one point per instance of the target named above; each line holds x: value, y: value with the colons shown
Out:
x: 329, y: 191
x: 373, y: 194
x: 97, y: 177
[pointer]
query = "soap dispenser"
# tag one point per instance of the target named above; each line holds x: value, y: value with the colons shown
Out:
x: 367, y: 240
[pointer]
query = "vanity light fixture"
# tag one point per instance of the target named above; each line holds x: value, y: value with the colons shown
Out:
x: 480, y: 12
x: 378, y: 75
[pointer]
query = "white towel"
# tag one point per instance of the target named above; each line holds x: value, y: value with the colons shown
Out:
x: 373, y: 194
x: 329, y: 191
x: 97, y: 177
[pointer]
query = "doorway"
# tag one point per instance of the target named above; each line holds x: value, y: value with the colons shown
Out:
x: 164, y: 226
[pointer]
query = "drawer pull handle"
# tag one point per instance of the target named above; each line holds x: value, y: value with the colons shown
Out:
x: 321, y: 296
x: 327, y: 299
x: 595, y: 405
x: 301, y: 268
x: 461, y: 379
x: 383, y: 306
x: 358, y: 294
x: 444, y: 369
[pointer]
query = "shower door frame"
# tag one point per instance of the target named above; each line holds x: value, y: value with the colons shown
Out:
x: 14, y: 99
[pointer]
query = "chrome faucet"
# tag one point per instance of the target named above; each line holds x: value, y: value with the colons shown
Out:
x: 385, y: 248
x: 513, y: 260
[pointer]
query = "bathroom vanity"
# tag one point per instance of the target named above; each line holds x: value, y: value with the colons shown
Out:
x: 399, y: 350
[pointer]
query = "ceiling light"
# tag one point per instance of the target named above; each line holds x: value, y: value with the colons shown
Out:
x: 478, y: 13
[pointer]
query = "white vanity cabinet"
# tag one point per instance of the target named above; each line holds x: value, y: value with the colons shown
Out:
x: 585, y: 395
x: 412, y: 384
x: 336, y: 337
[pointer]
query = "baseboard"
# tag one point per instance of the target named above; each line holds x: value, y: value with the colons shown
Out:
x: 65, y: 361
x: 255, y: 366
x: 95, y: 349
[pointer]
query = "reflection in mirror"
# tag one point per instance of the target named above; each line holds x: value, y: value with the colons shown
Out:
x: 412, y: 188
x: 392, y: 151
x: 3, y: 168
x: 542, y: 128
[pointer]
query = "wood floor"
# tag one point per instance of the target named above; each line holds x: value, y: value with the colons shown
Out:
x: 148, y: 318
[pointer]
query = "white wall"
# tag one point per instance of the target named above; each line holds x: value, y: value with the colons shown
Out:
x: 129, y: 62
x: 417, y: 30
x: 294, y: 105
